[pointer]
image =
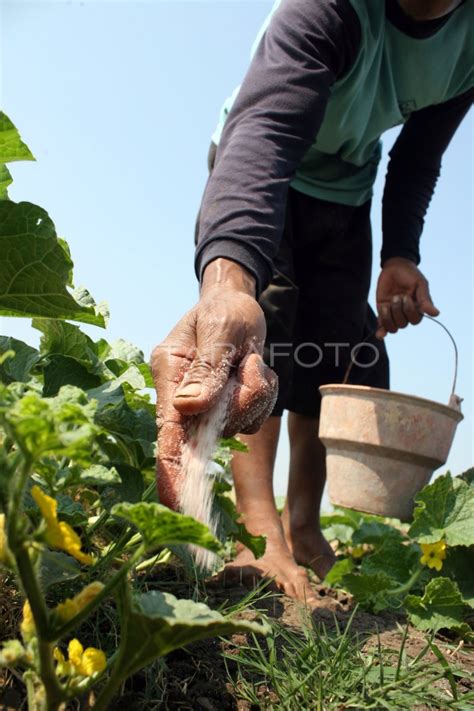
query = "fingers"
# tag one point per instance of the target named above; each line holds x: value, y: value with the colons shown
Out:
x: 203, y: 382
x: 411, y: 310
x: 403, y: 310
x: 424, y: 300
x: 253, y: 398
x: 396, y: 314
x: 169, y: 474
x: 168, y: 363
x: 219, y: 340
x: 387, y: 323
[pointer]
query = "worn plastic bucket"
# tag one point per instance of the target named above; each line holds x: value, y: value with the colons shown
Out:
x: 382, y: 447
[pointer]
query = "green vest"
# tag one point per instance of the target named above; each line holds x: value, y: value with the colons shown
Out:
x: 392, y: 76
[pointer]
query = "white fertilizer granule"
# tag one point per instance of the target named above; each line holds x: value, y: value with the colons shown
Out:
x: 196, y: 495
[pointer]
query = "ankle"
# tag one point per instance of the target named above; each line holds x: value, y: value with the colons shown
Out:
x: 258, y: 525
x: 299, y: 524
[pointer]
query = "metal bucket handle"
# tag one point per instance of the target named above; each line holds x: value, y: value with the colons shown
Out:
x: 456, y: 354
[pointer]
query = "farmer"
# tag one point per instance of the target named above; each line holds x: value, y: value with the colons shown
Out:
x: 284, y: 247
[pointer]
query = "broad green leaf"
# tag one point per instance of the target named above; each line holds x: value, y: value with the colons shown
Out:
x: 459, y: 566
x: 6, y: 355
x: 19, y: 367
x: 230, y: 527
x: 160, y: 526
x: 223, y: 454
x: 65, y: 247
x: 338, y: 518
x: 393, y: 558
x: 136, y: 428
x: 445, y: 510
x: 341, y: 567
x: 70, y: 511
x: 66, y: 339
x: 133, y: 377
x: 34, y: 268
x: 124, y: 351
x: 56, y: 568
x: 5, y: 180
x: 376, y: 533
x: 338, y: 532
x: 158, y: 623
x: 130, y: 488
x: 98, y: 357
x: 110, y: 393
x: 145, y: 370
x: 357, y: 518
x: 96, y: 475
x: 62, y: 370
x: 11, y: 146
x: 234, y: 444
x: 440, y: 607
x: 136, y: 399
x: 371, y: 591
x: 84, y: 298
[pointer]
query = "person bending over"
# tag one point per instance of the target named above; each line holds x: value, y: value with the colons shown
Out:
x: 284, y: 244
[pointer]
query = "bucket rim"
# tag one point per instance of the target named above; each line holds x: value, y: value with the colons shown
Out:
x: 394, y: 395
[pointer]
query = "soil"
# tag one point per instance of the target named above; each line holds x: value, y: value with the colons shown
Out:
x: 196, y: 678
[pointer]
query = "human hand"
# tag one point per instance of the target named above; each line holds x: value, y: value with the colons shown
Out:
x: 403, y: 296
x: 224, y: 332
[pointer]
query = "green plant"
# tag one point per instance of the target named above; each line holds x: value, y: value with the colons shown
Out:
x: 425, y: 569
x: 77, y: 495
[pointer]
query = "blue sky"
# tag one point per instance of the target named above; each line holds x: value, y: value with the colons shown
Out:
x: 118, y: 100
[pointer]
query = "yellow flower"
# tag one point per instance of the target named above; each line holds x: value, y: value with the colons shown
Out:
x: 59, y: 533
x: 5, y: 552
x: 433, y: 554
x: 27, y: 626
x: 83, y: 662
x: 72, y: 606
x: 358, y: 551
x: 63, y: 668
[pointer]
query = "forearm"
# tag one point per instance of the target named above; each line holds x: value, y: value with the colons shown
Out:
x: 407, y: 195
x: 272, y: 124
x: 413, y: 171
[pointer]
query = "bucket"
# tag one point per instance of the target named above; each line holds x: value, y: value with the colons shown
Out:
x: 382, y: 447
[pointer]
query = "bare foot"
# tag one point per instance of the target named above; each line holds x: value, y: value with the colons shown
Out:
x: 276, y: 564
x: 310, y: 548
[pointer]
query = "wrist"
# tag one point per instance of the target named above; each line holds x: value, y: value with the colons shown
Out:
x: 225, y: 273
x: 397, y: 261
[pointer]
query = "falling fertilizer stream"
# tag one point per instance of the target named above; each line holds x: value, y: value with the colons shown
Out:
x: 196, y: 497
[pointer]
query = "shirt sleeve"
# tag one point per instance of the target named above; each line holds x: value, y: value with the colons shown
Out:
x: 413, y: 170
x: 272, y: 124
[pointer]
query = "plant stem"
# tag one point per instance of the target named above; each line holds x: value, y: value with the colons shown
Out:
x: 15, y: 504
x: 101, y: 519
x: 59, y: 632
x: 117, y: 675
x: 406, y: 587
x: 21, y: 553
x: 116, y: 548
x: 109, y: 690
x: 55, y: 694
x: 32, y: 589
x: 28, y: 678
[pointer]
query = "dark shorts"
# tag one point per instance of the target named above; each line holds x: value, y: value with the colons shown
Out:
x: 316, y: 307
